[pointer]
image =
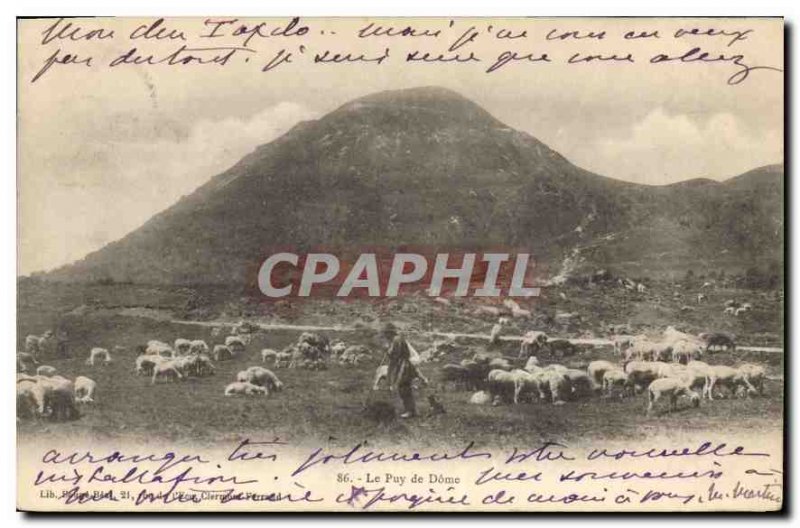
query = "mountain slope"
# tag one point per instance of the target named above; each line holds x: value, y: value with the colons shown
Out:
x: 424, y: 166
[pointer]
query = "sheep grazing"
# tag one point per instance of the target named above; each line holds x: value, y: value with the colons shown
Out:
x: 199, y: 366
x: 480, y: 398
x: 84, y: 389
x: 159, y: 348
x: 718, y: 341
x: 532, y: 365
x: 235, y: 344
x: 264, y: 378
x: 59, y: 398
x: 30, y: 399
x: 355, y: 354
x: 283, y: 359
x: 338, y: 347
x: 671, y: 388
x: 182, y: 347
x: 198, y: 347
x: 167, y: 370
x: 146, y: 363
x: 269, y: 355
x: 642, y: 373
x: 755, y: 376
x: 39, y: 345
x: 246, y: 389
x: 526, y: 385
x: 500, y: 363
x: 98, y: 354
x: 553, y: 385
x: 684, y: 351
x: 222, y: 353
x: 501, y: 385
x: 597, y: 370
x: 532, y: 342
x: 614, y: 379
x: 45, y: 370
x: 581, y: 385
x: 729, y: 377
x: 622, y: 343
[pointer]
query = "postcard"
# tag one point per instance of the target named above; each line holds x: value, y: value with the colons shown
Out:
x: 400, y: 264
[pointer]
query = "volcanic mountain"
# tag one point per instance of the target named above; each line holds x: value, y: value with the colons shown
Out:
x: 429, y: 167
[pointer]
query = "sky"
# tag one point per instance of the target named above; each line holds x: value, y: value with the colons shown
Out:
x: 100, y: 151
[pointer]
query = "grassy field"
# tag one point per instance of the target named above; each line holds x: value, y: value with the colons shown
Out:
x: 328, y: 405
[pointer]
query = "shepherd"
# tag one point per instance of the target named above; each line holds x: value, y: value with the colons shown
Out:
x: 402, y: 373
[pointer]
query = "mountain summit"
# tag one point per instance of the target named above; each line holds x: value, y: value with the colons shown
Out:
x: 427, y: 166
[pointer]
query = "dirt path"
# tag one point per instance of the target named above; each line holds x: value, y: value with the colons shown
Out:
x: 340, y: 328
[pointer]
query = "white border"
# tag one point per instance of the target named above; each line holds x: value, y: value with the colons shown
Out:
x: 785, y: 8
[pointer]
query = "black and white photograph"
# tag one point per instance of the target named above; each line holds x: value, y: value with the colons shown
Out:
x: 400, y: 264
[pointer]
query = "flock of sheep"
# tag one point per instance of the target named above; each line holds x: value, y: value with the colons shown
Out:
x: 41, y: 392
x: 665, y: 366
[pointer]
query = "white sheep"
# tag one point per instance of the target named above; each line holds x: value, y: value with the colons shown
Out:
x: 622, y: 343
x: 245, y: 388
x: 729, y: 377
x: 96, y: 354
x: 480, y: 398
x: 159, y: 348
x: 525, y: 382
x: 59, y: 396
x: 222, y: 353
x: 614, y: 379
x: 264, y: 378
x: 45, y: 370
x: 182, y: 346
x: 671, y: 388
x: 235, y: 344
x: 755, y: 375
x: 145, y: 364
x: 30, y: 399
x: 642, y: 373
x: 269, y: 355
x: 168, y: 370
x: 532, y: 341
x: 554, y: 384
x: 198, y: 346
x: 84, y: 389
x: 597, y: 370
x: 684, y: 351
x: 532, y: 365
